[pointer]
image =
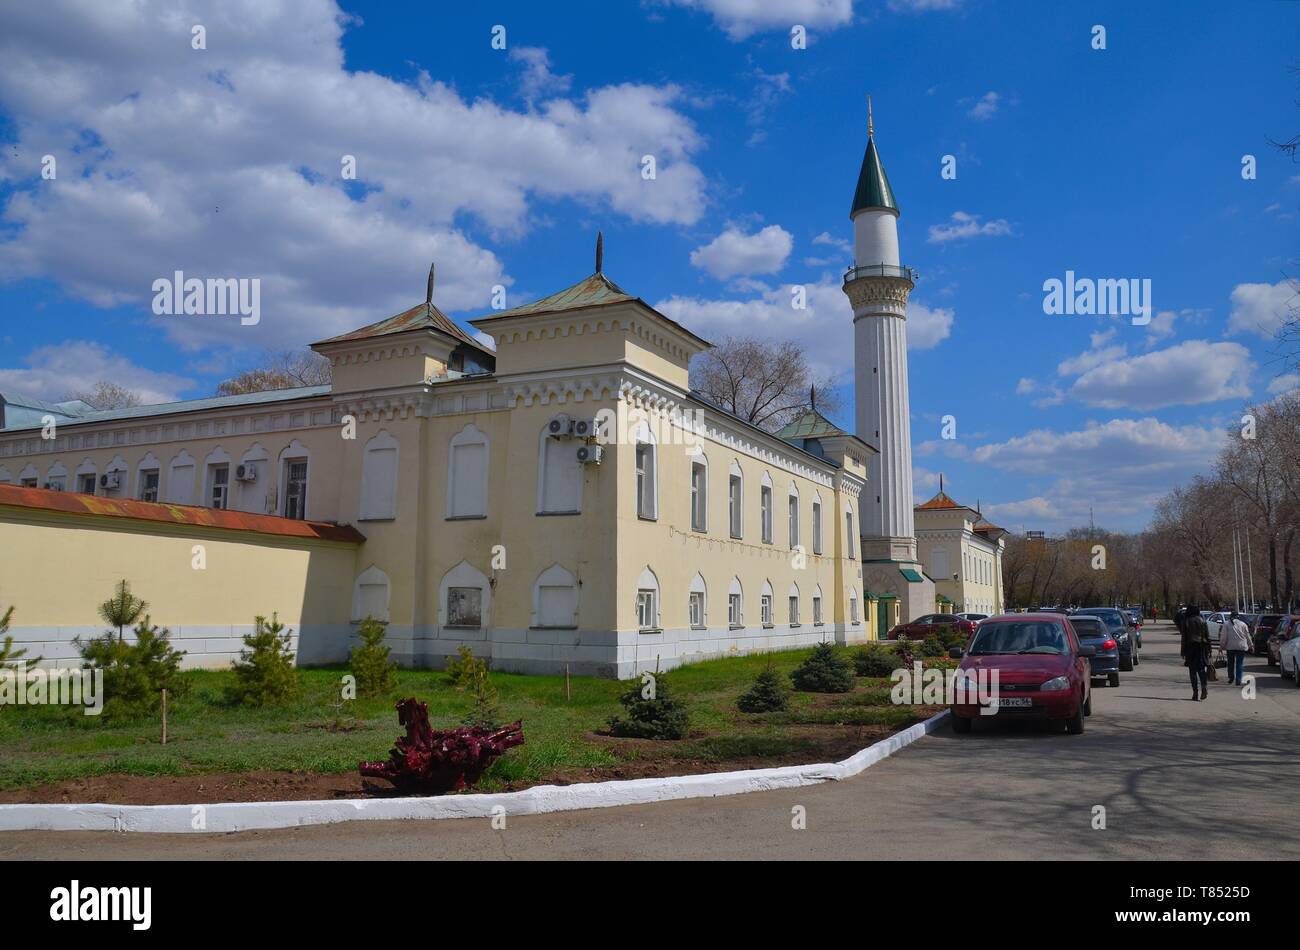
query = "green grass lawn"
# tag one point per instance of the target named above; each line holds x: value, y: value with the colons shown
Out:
x: 206, y: 735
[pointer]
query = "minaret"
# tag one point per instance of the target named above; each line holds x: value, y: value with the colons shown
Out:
x: 878, y: 287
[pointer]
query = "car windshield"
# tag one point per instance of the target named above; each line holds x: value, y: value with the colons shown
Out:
x: 1089, y: 627
x: 1019, y: 636
x: 1112, y: 618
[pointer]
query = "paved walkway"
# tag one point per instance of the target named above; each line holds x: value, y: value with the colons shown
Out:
x: 1218, y: 779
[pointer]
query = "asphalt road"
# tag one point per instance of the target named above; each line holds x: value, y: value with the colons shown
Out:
x: 1178, y: 779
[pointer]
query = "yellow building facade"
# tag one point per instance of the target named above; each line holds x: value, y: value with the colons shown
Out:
x: 560, y: 500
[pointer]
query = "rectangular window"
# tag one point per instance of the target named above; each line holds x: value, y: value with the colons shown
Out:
x: 295, y: 489
x: 557, y: 606
x: 817, y: 609
x: 765, y: 610
x: 697, y: 608
x: 468, y: 480
x: 735, y: 507
x: 149, y: 485
x: 55, y: 484
x: 219, y: 493
x: 645, y: 609
x: 464, y: 606
x: 29, y: 483
x: 645, y: 480
x: 561, y: 477
x: 794, y: 521
x: 765, y: 510
x: 794, y: 611
x: 699, y: 497
x: 848, y: 534
x: 86, y: 484
x: 817, y: 527
x: 853, y: 609
x: 733, y: 610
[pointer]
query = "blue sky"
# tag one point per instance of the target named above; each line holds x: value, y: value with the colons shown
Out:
x: 501, y: 164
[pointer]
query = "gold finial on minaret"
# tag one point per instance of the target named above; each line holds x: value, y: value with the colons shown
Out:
x: 870, y: 128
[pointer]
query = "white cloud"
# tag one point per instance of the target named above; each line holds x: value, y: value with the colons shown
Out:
x: 1084, y: 479
x: 1188, y: 374
x: 743, y: 18
x: 733, y: 252
x: 824, y: 327
x: 54, y: 371
x: 965, y: 225
x: 226, y: 162
x: 921, y: 6
x: 839, y: 243
x: 538, y: 81
x: 1261, y: 308
x: 985, y: 107
x: 1284, y: 384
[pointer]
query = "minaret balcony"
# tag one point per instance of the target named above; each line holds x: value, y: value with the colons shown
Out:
x: 880, y: 270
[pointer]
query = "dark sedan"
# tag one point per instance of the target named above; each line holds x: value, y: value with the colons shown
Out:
x: 1092, y: 632
x: 1261, y: 630
x: 1122, y: 629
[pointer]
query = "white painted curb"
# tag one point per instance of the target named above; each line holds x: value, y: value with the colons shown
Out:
x: 249, y: 816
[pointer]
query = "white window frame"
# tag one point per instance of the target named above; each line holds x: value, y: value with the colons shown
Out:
x: 817, y: 525
x: 792, y: 507
x: 736, y: 605
x: 700, y: 492
x: 645, y: 463
x: 765, y: 511
x: 467, y: 437
x: 699, y: 592
x: 736, y: 502
x: 301, y: 506
x: 140, y: 477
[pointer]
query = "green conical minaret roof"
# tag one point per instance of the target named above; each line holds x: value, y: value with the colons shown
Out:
x: 873, y: 184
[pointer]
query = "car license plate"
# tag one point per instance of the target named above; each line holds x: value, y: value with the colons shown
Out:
x: 1012, y: 702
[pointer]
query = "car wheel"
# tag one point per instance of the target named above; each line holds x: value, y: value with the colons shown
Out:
x: 1125, y: 664
x: 1113, y: 680
x: 960, y: 725
x: 1074, y: 725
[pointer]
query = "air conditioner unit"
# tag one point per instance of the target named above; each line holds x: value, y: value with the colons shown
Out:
x: 110, y: 481
x: 584, y: 428
x: 590, y: 454
x: 560, y: 426
x: 245, y: 473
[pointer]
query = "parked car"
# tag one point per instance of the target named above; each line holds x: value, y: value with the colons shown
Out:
x: 1261, y: 630
x: 922, y: 627
x: 1092, y: 632
x: 973, y: 618
x: 1122, y: 629
x: 1215, y: 621
x: 1042, y: 669
x: 1136, y: 620
x: 1287, y: 629
x: 1288, y: 655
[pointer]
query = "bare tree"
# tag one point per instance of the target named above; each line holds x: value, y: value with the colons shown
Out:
x: 107, y: 395
x: 287, y: 369
x: 761, y: 381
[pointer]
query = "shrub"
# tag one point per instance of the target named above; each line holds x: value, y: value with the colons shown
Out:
x: 949, y: 636
x: 825, y: 671
x: 264, y: 672
x: 464, y: 670
x: 486, y: 711
x: 932, y: 646
x: 370, y: 665
x: 9, y: 657
x: 652, y: 712
x: 770, y: 693
x: 875, y: 662
x: 135, y: 674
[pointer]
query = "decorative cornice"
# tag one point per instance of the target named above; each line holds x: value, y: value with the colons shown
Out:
x: 878, y: 296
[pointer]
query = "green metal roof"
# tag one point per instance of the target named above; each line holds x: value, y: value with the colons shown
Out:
x: 423, y: 316
x: 911, y: 575
x: 873, y: 184
x: 592, y: 291
x: 811, y: 425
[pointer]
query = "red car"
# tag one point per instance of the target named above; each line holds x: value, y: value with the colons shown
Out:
x: 1043, y: 672
x: 922, y: 627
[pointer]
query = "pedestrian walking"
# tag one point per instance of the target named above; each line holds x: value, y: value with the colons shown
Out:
x: 1195, y: 649
x: 1235, y: 639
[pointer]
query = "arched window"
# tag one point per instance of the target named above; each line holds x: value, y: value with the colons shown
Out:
x: 793, y: 600
x: 555, y: 599
x: 647, y: 601
x: 699, y: 491
x: 29, y: 477
x: 379, y: 478
x: 765, y: 605
x: 56, y: 479
x: 698, y: 602
x: 294, y: 466
x: 216, y: 479
x: 736, y: 500
x: 793, y: 506
x: 180, y: 479
x: 370, y: 595
x: 854, y: 616
x: 817, y: 524
x: 464, y: 597
x: 148, y: 479
x: 116, y: 471
x: 647, y: 473
x: 467, y: 474
x: 559, y: 476
x: 251, y: 480
x: 817, y: 606
x: 87, y: 476
x: 765, y: 508
x: 735, y: 604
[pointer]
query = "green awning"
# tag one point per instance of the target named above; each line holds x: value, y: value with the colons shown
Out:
x: 912, y: 576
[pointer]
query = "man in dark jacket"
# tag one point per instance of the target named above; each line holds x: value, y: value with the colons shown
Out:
x: 1195, y: 649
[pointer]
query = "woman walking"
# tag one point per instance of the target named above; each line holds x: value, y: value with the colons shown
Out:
x: 1235, y: 639
x: 1195, y: 649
